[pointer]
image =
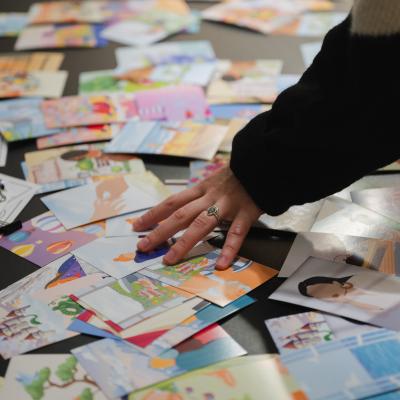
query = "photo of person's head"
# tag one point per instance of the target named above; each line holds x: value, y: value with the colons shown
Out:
x: 325, y: 287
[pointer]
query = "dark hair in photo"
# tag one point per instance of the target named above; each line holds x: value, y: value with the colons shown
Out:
x: 315, y: 280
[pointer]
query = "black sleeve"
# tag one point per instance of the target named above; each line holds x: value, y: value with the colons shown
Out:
x: 335, y: 125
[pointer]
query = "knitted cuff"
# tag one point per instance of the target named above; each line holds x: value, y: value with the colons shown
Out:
x: 376, y: 17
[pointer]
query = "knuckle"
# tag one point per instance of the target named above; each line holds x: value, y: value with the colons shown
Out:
x: 201, y: 222
x: 170, y: 202
x: 230, y: 248
x: 179, y: 215
x: 181, y: 245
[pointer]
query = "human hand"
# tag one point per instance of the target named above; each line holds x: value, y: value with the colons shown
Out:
x: 188, y: 209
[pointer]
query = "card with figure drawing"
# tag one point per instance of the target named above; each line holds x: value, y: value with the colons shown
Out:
x: 364, y: 252
x: 49, y: 376
x: 18, y: 194
x: 238, y: 378
x: 384, y: 201
x: 349, y: 291
x: 244, y: 82
x: 118, y: 368
x: 182, y: 139
x: 12, y: 23
x: 369, y: 358
x: 37, y: 61
x: 78, y: 162
x: 22, y: 119
x: 198, y: 276
x: 82, y: 134
x: 32, y: 84
x: 43, y: 239
x: 59, y: 36
x: 103, y: 199
x: 127, y: 301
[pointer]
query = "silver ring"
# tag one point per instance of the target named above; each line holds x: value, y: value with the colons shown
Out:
x: 213, y: 211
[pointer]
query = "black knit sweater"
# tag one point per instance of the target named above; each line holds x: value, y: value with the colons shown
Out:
x: 337, y: 124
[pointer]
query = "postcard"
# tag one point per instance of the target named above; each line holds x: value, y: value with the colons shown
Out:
x: 12, y: 23
x: 38, y: 61
x: 364, y: 252
x: 195, y: 323
x: 367, y: 357
x: 102, y: 199
x: 244, y: 82
x: 43, y: 239
x: 78, y: 162
x: 123, y: 225
x: 264, y: 16
x: 185, y: 52
x: 59, y: 36
x: 182, y: 139
x: 18, y: 194
x: 64, y: 12
x: 238, y: 378
x: 34, y: 84
x: 309, y: 52
x: 199, y: 276
x: 173, y: 103
x: 384, y: 201
x: 49, y: 376
x: 3, y: 152
x: 125, y: 302
x: 359, y: 293
x: 118, y: 368
x: 82, y: 134
x: 88, y: 110
x: 22, y: 119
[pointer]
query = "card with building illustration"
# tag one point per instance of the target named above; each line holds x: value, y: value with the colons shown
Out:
x: 119, y: 368
x: 182, y: 139
x: 37, y: 61
x: 364, y: 252
x: 359, y: 293
x: 43, y: 239
x: 12, y: 23
x: 198, y: 276
x: 78, y: 162
x: 49, y: 376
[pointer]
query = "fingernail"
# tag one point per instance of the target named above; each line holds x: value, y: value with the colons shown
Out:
x: 170, y: 257
x: 143, y: 244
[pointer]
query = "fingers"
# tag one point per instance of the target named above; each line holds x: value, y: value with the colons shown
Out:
x: 166, y: 208
x: 236, y: 235
x: 199, y: 228
x: 179, y: 220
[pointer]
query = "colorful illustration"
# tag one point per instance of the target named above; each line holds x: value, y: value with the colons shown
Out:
x: 235, y: 379
x: 123, y: 225
x: 83, y: 134
x: 104, y: 198
x: 49, y: 376
x: 174, y: 103
x: 22, y: 119
x: 38, y: 61
x: 43, y: 239
x: 78, y: 162
x: 198, y: 276
x: 299, y: 331
x: 245, y: 82
x: 59, y: 36
x: 129, y: 300
x: 38, y: 83
x: 118, y: 368
x: 369, y: 357
x: 364, y: 252
x: 185, y: 139
x: 12, y: 23
x: 341, y: 289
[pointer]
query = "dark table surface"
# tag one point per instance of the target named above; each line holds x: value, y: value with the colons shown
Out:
x: 264, y: 246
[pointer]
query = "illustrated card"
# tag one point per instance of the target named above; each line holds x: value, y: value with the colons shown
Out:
x: 37, y: 61
x: 123, y: 225
x: 349, y: 291
x: 43, y: 239
x: 12, y: 23
x: 119, y: 368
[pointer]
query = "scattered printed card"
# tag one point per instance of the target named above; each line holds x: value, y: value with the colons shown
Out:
x: 200, y: 170
x: 123, y: 225
x: 118, y: 368
x: 18, y: 194
x: 199, y: 276
x: 43, y: 239
x: 38, y: 61
x: 184, y: 139
x: 12, y: 23
x: 33, y: 84
x: 49, y: 376
x: 358, y: 293
x: 364, y: 252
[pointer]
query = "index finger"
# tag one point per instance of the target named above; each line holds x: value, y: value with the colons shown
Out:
x: 166, y: 208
